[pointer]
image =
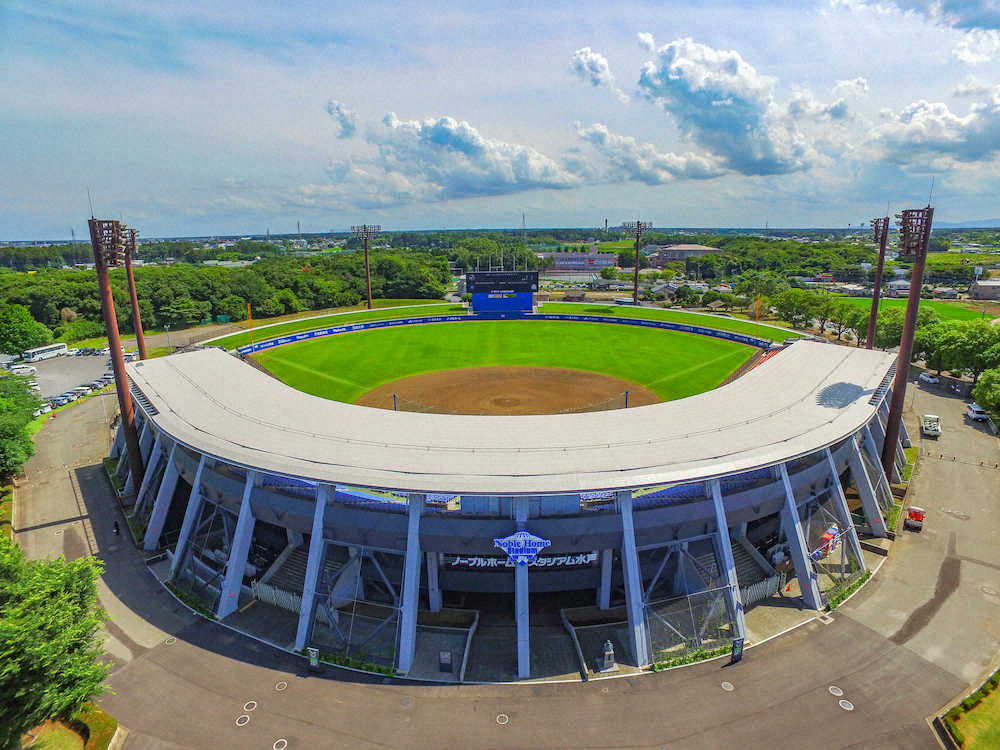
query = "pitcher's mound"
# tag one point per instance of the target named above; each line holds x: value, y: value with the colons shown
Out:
x: 508, y: 390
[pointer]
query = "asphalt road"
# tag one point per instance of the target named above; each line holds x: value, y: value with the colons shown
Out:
x: 925, y: 628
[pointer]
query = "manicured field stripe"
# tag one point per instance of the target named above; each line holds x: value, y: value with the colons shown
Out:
x: 718, y: 322
x: 343, y: 367
x: 944, y: 310
x: 336, y: 319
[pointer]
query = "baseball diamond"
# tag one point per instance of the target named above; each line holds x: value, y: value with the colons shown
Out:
x: 372, y: 534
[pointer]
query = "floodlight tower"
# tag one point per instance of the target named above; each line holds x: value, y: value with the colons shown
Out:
x: 365, y: 232
x: 880, y: 233
x: 914, y: 239
x: 130, y: 236
x: 107, y: 238
x: 636, y: 229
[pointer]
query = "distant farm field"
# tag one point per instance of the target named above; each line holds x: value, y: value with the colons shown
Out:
x: 944, y: 310
x: 346, y: 366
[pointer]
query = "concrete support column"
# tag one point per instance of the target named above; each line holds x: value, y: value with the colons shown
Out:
x: 117, y: 445
x: 411, y: 584
x: 191, y: 514
x: 728, y: 563
x: 147, y: 477
x: 808, y: 582
x: 295, y: 538
x: 146, y: 440
x: 874, y: 453
x: 521, y: 608
x: 230, y: 598
x: 158, y: 516
x: 317, y: 548
x: 868, y: 500
x: 604, y: 587
x: 904, y: 435
x: 877, y: 429
x: 433, y: 587
x: 843, y: 512
x: 638, y: 631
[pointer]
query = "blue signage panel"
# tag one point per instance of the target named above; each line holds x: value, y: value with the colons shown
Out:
x: 522, y: 546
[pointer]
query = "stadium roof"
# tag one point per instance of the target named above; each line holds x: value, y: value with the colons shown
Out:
x: 807, y: 397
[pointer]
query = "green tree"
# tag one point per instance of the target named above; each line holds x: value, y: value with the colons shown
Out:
x: 795, y: 306
x: 49, y: 647
x: 889, y: 329
x: 969, y: 346
x: 17, y: 406
x: 987, y: 392
x: 927, y: 345
x: 19, y: 331
x: 609, y: 272
x: 686, y: 296
x: 234, y: 306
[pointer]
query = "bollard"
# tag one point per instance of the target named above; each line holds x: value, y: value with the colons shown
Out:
x: 608, y: 663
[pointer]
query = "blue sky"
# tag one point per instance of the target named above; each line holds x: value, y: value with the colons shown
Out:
x: 190, y: 118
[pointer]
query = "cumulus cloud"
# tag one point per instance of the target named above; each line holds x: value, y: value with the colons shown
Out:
x: 974, y: 87
x: 804, y: 105
x: 959, y: 14
x: 592, y: 67
x: 930, y: 133
x: 646, y: 41
x: 724, y: 105
x: 346, y: 119
x: 978, y: 46
x: 853, y: 87
x: 641, y: 162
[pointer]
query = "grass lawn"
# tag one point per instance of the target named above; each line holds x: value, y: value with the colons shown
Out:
x: 54, y: 736
x: 295, y: 326
x: 945, y: 310
x: 6, y: 511
x: 746, y: 327
x: 343, y: 367
x: 981, y: 725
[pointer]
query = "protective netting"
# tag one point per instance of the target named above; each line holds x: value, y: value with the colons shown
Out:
x: 203, y: 562
x: 827, y: 542
x: 618, y: 401
x: 876, y: 477
x: 698, y: 621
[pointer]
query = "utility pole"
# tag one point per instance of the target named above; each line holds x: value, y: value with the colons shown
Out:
x: 108, y: 242
x: 365, y: 232
x: 880, y: 233
x: 636, y: 229
x: 130, y: 236
x: 914, y: 239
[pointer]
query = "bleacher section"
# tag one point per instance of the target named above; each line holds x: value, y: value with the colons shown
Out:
x: 292, y: 573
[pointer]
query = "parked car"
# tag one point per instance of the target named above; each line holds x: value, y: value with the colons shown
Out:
x: 914, y: 518
x: 926, y: 377
x: 976, y: 413
x: 930, y: 425
x: 43, y: 409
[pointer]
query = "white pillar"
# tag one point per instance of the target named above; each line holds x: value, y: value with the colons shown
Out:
x: 876, y: 456
x: 433, y: 587
x: 843, y: 512
x: 808, y: 582
x: 146, y: 440
x: 230, y: 598
x: 158, y: 516
x: 317, y: 548
x: 411, y: 584
x: 904, y: 435
x: 521, y: 600
x: 116, y: 446
x: 604, y: 587
x: 714, y: 490
x: 147, y: 476
x: 638, y: 632
x: 868, y: 500
x: 191, y: 514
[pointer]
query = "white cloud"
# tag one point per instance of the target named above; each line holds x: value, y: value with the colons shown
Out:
x: 929, y: 133
x: 974, y: 87
x: 592, y: 67
x: 854, y: 86
x: 346, y: 119
x: 646, y: 41
x: 959, y: 14
x: 641, y: 162
x: 978, y: 46
x: 724, y: 105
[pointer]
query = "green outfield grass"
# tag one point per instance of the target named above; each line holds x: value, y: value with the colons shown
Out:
x: 344, y: 367
x: 297, y: 326
x: 718, y: 322
x: 944, y: 310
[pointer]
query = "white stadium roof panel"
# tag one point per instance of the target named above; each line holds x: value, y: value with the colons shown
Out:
x: 807, y: 397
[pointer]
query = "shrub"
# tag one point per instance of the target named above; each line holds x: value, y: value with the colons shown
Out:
x: 690, y: 657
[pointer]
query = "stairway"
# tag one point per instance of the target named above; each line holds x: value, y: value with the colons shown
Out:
x: 748, y: 571
x: 292, y: 573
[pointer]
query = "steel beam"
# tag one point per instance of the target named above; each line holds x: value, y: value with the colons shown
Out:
x: 433, y: 586
x: 151, y: 464
x: 604, y: 587
x: 638, y: 630
x: 868, y: 499
x: 146, y: 440
x: 230, y: 598
x: 714, y: 490
x: 808, y: 582
x: 521, y: 608
x: 191, y: 513
x: 843, y: 512
x: 162, y: 505
x: 317, y: 550
x: 411, y: 584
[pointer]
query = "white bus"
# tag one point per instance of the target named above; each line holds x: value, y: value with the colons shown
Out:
x: 44, y: 352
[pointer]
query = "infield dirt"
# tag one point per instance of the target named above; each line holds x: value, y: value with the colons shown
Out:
x: 508, y: 391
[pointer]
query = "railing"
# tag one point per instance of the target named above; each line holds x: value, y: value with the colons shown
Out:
x: 576, y: 644
x: 760, y: 590
x: 468, y: 645
x: 276, y: 597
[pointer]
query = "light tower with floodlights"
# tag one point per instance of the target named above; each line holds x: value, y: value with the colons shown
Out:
x: 365, y: 232
x: 636, y: 229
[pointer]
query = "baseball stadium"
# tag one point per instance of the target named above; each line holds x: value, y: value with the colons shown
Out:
x: 509, y: 491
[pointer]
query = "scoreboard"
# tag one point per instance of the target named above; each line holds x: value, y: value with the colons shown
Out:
x: 491, y: 282
x: 502, y: 291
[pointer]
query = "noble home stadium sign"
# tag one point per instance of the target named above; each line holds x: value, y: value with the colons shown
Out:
x: 522, y: 547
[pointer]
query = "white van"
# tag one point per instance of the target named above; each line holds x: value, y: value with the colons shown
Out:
x: 23, y: 370
x: 976, y: 413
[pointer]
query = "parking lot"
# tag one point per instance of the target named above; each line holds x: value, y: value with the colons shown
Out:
x: 59, y: 374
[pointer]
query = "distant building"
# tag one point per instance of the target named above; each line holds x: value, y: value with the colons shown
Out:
x: 853, y: 290
x: 944, y: 292
x: 575, y: 295
x: 899, y: 288
x: 660, y: 255
x: 585, y: 261
x: 985, y: 289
